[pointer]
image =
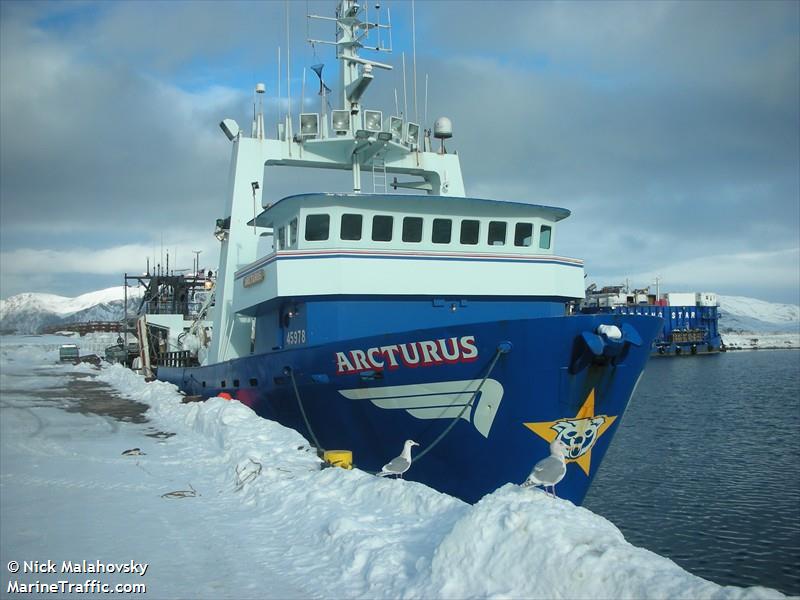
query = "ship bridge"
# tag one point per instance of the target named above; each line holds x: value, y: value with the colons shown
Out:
x: 404, y: 245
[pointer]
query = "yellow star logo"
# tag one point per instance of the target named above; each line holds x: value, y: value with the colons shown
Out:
x: 578, y: 434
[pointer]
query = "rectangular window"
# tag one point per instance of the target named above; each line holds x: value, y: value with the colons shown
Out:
x: 469, y: 231
x: 317, y: 227
x: 412, y: 229
x: 441, y: 231
x: 351, y: 227
x: 544, y: 237
x: 382, y: 228
x: 281, y: 238
x: 293, y: 232
x: 523, y: 234
x: 497, y: 233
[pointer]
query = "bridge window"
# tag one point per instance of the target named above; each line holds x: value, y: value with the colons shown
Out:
x: 523, y: 234
x: 497, y: 233
x: 351, y: 227
x: 412, y: 229
x: 544, y: 237
x: 382, y: 228
x: 469, y: 231
x: 281, y: 238
x: 441, y: 231
x: 293, y: 232
x: 317, y: 227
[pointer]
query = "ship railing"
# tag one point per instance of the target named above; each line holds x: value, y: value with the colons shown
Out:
x: 179, y: 358
x: 190, y: 309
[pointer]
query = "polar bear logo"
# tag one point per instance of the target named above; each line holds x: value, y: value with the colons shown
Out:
x: 578, y: 435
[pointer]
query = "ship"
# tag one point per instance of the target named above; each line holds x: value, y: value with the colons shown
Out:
x: 170, y: 325
x: 691, y: 319
x: 413, y: 311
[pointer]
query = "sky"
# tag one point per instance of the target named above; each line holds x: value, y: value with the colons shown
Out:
x: 671, y: 130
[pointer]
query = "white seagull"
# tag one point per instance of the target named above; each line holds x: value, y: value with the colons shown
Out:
x: 398, y: 466
x: 549, y: 471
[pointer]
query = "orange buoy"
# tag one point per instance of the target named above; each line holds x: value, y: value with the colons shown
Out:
x: 225, y: 396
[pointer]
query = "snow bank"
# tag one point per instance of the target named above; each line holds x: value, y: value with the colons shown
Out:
x: 518, y: 543
x: 350, y: 534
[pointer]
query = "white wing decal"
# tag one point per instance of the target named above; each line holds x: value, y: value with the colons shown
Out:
x: 441, y: 400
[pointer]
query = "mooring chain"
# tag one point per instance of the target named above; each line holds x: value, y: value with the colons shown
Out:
x: 290, y: 372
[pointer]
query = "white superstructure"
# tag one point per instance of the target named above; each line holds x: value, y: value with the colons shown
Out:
x: 355, y: 137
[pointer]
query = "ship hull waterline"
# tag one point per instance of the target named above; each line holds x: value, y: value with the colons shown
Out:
x: 426, y: 391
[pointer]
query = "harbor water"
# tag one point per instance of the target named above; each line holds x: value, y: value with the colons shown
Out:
x: 704, y: 467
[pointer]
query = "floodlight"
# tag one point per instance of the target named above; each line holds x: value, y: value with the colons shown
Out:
x: 412, y: 134
x: 230, y: 128
x: 396, y: 127
x: 373, y: 120
x: 309, y: 125
x: 340, y: 121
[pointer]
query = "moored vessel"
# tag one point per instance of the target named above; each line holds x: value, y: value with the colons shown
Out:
x: 366, y: 319
x: 691, y: 319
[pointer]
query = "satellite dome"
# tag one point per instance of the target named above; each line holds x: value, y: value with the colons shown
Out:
x: 443, y: 128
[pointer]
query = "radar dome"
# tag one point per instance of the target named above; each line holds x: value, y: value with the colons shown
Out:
x: 443, y: 128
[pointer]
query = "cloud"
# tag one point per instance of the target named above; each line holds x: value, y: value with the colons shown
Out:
x: 106, y: 261
x: 769, y: 272
x: 670, y: 129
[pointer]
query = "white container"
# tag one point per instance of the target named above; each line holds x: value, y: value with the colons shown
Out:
x: 681, y: 299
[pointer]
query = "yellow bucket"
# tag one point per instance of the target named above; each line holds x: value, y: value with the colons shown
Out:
x: 339, y: 458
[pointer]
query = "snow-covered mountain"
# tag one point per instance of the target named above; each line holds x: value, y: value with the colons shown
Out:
x: 747, y: 323
x: 29, y: 312
x: 739, y: 314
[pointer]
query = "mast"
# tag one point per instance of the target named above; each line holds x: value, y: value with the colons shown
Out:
x: 353, y: 143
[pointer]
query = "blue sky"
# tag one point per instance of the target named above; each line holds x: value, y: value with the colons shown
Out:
x: 670, y: 129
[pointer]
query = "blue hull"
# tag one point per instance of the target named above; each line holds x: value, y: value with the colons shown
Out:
x: 557, y: 379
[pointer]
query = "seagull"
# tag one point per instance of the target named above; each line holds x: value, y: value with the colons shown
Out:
x: 549, y: 471
x: 398, y: 466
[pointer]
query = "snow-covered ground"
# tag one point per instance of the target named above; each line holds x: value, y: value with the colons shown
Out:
x: 249, y: 512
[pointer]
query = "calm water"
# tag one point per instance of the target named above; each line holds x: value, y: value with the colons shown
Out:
x: 704, y: 467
